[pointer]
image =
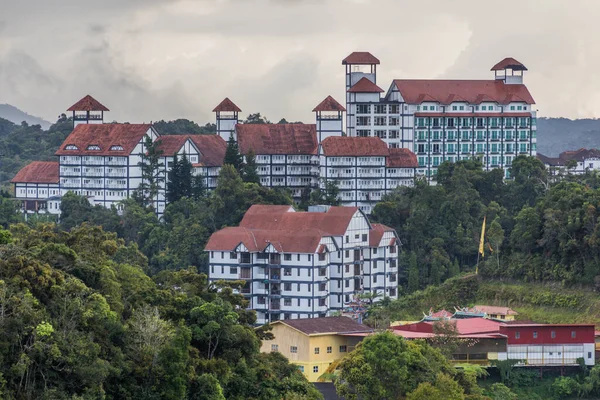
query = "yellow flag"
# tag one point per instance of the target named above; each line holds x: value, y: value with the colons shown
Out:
x: 481, y: 250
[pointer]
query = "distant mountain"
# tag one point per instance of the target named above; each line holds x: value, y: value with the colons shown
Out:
x: 555, y: 135
x: 14, y: 115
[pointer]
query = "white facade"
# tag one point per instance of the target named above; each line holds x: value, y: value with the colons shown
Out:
x: 439, y: 125
x: 315, y: 283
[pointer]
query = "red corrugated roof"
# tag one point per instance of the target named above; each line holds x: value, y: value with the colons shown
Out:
x: 277, y: 138
x: 360, y: 58
x: 38, y: 172
x: 212, y: 149
x: 105, y: 136
x: 473, y: 114
x: 315, y: 326
x: 329, y: 104
x: 334, y: 146
x: 415, y: 91
x: 509, y: 63
x: 226, y: 105
x: 364, y: 85
x: 88, y: 103
x: 401, y: 158
x: 376, y: 234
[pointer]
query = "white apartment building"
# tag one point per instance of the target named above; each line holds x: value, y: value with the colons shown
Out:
x: 365, y: 169
x: 444, y: 120
x: 305, y: 264
x: 35, y: 183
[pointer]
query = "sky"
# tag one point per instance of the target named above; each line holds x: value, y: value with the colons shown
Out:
x: 148, y: 60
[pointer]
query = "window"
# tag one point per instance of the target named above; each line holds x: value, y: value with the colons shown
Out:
x: 364, y: 237
x: 71, y: 147
x: 347, y: 240
x: 321, y: 256
x: 363, y: 109
x: 301, y: 368
x: 363, y: 120
x: 316, y: 368
x: 287, y: 257
x: 287, y: 272
x: 535, y: 334
x: 93, y: 147
x: 553, y: 334
x: 343, y: 349
x: 298, y: 257
x: 317, y: 350
x: 274, y: 347
x: 116, y: 148
x: 329, y: 349
x: 233, y: 270
x: 573, y: 334
x: 287, y: 302
x: 517, y: 335
x: 233, y: 256
x: 293, y: 349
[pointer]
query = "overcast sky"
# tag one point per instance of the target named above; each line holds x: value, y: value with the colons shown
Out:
x: 164, y: 59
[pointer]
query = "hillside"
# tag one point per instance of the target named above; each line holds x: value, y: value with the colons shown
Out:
x: 556, y: 135
x: 16, y: 116
x: 539, y: 302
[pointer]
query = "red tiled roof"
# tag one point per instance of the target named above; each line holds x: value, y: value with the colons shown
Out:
x: 88, y: 103
x: 105, y: 136
x: 475, y: 114
x: 360, y: 58
x: 509, y: 63
x: 226, y: 105
x: 212, y: 149
x: 38, y: 172
x: 329, y: 104
x: 334, y: 146
x: 364, y: 85
x: 376, y: 234
x: 315, y: 326
x: 256, y: 240
x: 415, y: 91
x: 401, y: 158
x: 579, y: 155
x: 496, y: 310
x: 277, y: 138
x: 170, y: 144
x: 333, y: 222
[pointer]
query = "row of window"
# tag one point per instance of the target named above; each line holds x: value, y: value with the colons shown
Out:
x: 478, y: 147
x: 493, y: 160
x: 477, y: 108
x: 380, y: 133
x: 377, y: 121
x: 467, y: 122
x: 478, y: 135
x: 552, y: 334
x: 378, y: 108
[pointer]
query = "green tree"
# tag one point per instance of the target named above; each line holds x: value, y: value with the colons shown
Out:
x: 152, y: 173
x: 256, y: 118
x: 250, y: 169
x: 385, y: 366
x: 180, y: 182
x: 232, y: 155
x: 413, y: 273
x: 445, y: 388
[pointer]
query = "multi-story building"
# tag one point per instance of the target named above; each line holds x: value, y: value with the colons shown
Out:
x: 313, y: 344
x: 365, y: 169
x: 444, y: 120
x: 574, y: 162
x: 305, y: 264
x: 34, y: 184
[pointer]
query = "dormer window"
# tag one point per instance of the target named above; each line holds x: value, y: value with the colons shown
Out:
x: 116, y: 148
x: 71, y: 147
x: 93, y: 147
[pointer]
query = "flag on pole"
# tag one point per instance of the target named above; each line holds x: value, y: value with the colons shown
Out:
x: 481, y: 249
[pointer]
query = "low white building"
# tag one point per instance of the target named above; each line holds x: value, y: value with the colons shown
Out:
x: 574, y: 162
x: 305, y: 264
x: 35, y: 184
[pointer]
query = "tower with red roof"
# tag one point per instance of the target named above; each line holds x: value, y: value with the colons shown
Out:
x: 88, y: 110
x: 330, y: 118
x: 227, y: 118
x: 361, y: 66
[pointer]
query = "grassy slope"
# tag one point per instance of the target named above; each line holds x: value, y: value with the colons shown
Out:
x: 538, y: 302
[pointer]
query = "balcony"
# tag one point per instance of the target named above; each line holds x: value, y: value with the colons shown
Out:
x: 95, y: 161
x: 96, y: 174
x: 113, y: 185
x: 117, y: 174
x: 117, y: 162
x: 93, y: 185
x: 70, y: 184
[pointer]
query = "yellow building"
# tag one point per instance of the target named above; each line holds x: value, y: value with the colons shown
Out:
x: 501, y: 313
x: 314, y: 343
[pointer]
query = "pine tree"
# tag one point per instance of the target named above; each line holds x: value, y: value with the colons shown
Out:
x: 250, y: 169
x: 152, y: 173
x: 413, y: 273
x: 232, y: 154
x: 198, y: 187
x: 173, y: 183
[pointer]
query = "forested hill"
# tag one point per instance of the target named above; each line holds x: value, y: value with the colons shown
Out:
x: 556, y: 135
x: 13, y: 114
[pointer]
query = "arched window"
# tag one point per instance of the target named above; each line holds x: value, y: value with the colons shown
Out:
x: 116, y: 148
x: 71, y: 147
x: 93, y: 147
